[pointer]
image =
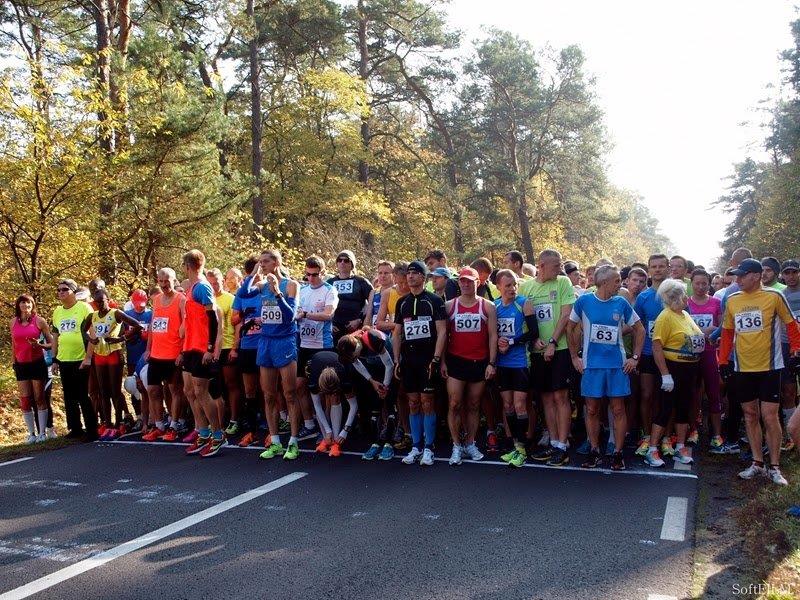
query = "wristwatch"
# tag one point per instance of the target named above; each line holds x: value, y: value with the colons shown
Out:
x: 552, y: 341
x: 510, y: 341
x: 635, y: 357
x: 493, y: 365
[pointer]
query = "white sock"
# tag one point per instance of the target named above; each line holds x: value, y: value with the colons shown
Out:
x: 309, y: 423
x: 284, y: 415
x: 29, y: 422
x: 292, y: 440
x: 336, y: 419
x: 42, y: 414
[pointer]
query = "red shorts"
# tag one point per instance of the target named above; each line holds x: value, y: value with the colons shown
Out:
x: 107, y: 361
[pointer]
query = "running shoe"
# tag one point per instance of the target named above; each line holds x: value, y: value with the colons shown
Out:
x: 189, y: 439
x: 232, y: 428
x: 412, y: 456
x: 694, y: 437
x: 559, y: 458
x: 543, y: 454
x: 611, y: 448
x: 617, y: 462
x: 508, y: 455
x: 387, y: 453
x: 170, y: 436
x: 284, y: 426
x: 213, y: 447
x: 272, y: 451
x: 456, y: 456
x: 491, y: 443
x: 101, y: 429
x: 306, y: 432
x: 667, y: 449
x: 653, y: 459
x: 398, y: 435
x: 715, y: 445
x: 774, y: 474
x: 248, y: 439
x: 788, y: 445
x: 324, y: 446
x: 371, y: 453
x: 137, y: 426
x: 728, y: 448
x: 197, y: 445
x: 41, y: 437
x: 154, y: 434
x: 519, y: 458
x: 585, y: 448
x: 293, y: 452
x: 472, y: 452
x: 594, y: 459
x: 335, y: 451
x: 123, y: 428
x: 683, y: 456
x: 51, y: 433
x: 752, y: 471
x: 110, y: 434
x: 427, y: 457
x: 404, y: 444
x: 644, y: 446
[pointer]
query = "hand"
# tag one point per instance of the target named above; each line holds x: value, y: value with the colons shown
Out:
x: 85, y: 364
x: 629, y: 366
x: 340, y: 440
x: 353, y: 325
x: 397, y: 370
x: 539, y: 344
x: 232, y: 356
x: 442, y: 369
x: 667, y: 383
x: 383, y: 391
x: 577, y: 362
x: 54, y: 368
x: 208, y: 357
x: 376, y: 385
x: 179, y: 360
x: 33, y: 341
x: 272, y: 282
x: 502, y: 345
x: 490, y: 372
x: 549, y: 352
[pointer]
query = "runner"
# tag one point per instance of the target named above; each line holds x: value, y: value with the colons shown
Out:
x: 486, y: 288
x: 233, y: 280
x: 516, y: 328
x: 163, y: 356
x: 420, y: 336
x: 790, y: 270
x: 277, y: 348
x: 135, y: 346
x: 353, y: 291
x: 679, y: 269
x: 603, y: 365
x: 202, y: 347
x: 677, y: 346
x: 769, y: 278
x: 318, y: 302
x: 385, y: 282
x: 440, y: 282
x: 706, y: 311
x: 513, y: 261
x: 751, y: 330
x: 329, y: 380
x: 470, y: 361
x: 552, y: 296
x: 437, y: 259
x: 30, y: 369
x: 69, y: 351
x: 104, y: 353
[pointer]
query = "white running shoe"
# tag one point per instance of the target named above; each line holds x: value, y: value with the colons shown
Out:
x: 775, y: 475
x: 50, y: 432
x: 41, y: 438
x: 455, y: 457
x: 411, y: 457
x: 427, y: 457
x: 683, y: 456
x: 473, y: 452
x: 653, y: 459
x: 31, y: 439
x: 752, y: 471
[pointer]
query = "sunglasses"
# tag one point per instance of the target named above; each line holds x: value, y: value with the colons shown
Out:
x: 63, y: 289
x: 342, y: 259
x: 312, y: 274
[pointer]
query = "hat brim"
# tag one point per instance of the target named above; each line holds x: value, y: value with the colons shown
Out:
x: 469, y: 277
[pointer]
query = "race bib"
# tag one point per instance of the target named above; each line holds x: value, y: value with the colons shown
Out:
x: 604, y: 334
x: 544, y: 312
x: 271, y: 314
x: 255, y: 329
x: 344, y: 287
x: 467, y: 323
x: 417, y: 329
x: 101, y: 329
x: 651, y: 325
x: 506, y: 327
x: 68, y: 326
x: 698, y: 344
x: 703, y: 321
x: 308, y: 330
x: 160, y: 324
x: 748, y: 321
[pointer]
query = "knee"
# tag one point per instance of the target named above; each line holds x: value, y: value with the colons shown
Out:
x: 25, y: 403
x: 592, y: 410
x: 455, y: 405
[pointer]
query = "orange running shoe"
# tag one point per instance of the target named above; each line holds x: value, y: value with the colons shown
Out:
x: 154, y: 434
x: 248, y: 440
x: 336, y: 450
x: 198, y: 445
x: 170, y: 436
x: 324, y: 446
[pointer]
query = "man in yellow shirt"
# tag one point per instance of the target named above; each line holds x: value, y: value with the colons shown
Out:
x: 751, y: 328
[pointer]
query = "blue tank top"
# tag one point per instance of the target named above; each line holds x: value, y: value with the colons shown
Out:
x: 376, y: 306
x: 274, y: 322
x: 511, y: 324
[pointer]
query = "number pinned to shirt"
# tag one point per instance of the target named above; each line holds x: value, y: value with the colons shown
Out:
x: 271, y: 314
x: 698, y: 343
x: 748, y: 321
x: 416, y: 329
x: 68, y: 326
x: 544, y: 312
x: 506, y: 327
x: 344, y: 286
x: 603, y: 334
x: 703, y: 321
x: 467, y: 322
x: 160, y: 325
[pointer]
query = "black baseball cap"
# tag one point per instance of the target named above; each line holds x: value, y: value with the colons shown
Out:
x: 748, y: 265
x: 417, y: 266
x: 790, y: 265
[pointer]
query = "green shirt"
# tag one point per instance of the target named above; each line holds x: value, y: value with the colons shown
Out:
x: 67, y: 323
x: 547, y: 298
x: 776, y: 285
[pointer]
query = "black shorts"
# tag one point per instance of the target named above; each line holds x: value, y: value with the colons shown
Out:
x: 247, y: 360
x: 513, y: 379
x: 553, y: 375
x: 465, y: 369
x: 224, y: 356
x: 31, y: 371
x: 763, y: 385
x: 414, y: 374
x: 193, y: 363
x: 160, y: 371
x: 304, y: 355
x: 647, y: 365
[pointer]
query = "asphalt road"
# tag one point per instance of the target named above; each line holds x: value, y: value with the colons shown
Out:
x: 336, y: 528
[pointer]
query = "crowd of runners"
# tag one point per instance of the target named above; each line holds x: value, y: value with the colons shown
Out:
x: 522, y: 361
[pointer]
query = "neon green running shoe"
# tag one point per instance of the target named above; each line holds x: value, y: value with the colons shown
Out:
x: 272, y: 451
x: 292, y: 452
x: 508, y: 456
x: 232, y: 428
x: 519, y: 458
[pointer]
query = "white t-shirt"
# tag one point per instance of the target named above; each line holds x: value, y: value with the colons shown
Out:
x: 317, y: 334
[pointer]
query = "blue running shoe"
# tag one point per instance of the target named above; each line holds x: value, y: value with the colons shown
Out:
x: 387, y: 453
x: 370, y: 454
x: 611, y: 448
x: 585, y: 447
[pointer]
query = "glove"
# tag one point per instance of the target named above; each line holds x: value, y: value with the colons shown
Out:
x: 667, y: 383
x: 725, y: 371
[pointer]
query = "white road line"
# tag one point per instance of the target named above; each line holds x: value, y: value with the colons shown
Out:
x: 18, y: 460
x: 674, y: 526
x: 145, y: 540
x: 660, y: 597
x: 682, y: 467
x: 654, y: 473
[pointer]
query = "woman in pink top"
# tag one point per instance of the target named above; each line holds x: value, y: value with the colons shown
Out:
x: 707, y: 312
x: 27, y: 328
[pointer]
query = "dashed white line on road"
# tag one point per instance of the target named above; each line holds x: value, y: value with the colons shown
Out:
x: 660, y: 597
x: 15, y: 461
x: 98, y: 560
x: 674, y: 525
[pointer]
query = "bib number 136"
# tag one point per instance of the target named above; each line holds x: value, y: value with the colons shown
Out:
x: 749, y: 321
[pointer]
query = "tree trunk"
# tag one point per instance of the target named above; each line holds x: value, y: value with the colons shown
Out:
x: 524, y: 221
x: 456, y: 208
x: 118, y: 87
x: 255, y: 123
x: 363, y: 73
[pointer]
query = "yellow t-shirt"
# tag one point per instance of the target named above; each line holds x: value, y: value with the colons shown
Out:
x: 67, y: 324
x: 225, y: 303
x: 755, y: 318
x: 679, y: 335
x: 106, y: 327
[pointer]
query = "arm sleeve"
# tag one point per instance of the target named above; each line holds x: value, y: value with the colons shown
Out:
x: 361, y: 369
x: 388, y: 367
x: 213, y: 326
x: 532, y: 333
x: 725, y: 346
x: 287, y: 310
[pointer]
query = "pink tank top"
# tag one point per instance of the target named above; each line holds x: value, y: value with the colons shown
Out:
x: 24, y: 352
